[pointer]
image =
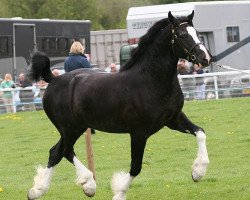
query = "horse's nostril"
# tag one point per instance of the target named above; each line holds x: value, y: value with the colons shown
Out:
x: 205, y: 62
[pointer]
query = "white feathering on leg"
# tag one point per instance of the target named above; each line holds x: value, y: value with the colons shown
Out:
x: 85, y: 178
x: 202, y: 161
x: 41, y: 182
x: 120, y: 184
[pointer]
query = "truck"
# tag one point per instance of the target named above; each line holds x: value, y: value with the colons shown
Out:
x: 20, y: 37
x: 224, y: 28
x: 106, y: 45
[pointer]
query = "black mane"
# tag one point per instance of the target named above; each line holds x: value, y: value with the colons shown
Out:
x: 144, y: 42
x: 147, y: 39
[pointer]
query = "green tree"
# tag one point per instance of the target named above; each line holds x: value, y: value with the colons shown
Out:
x: 4, y: 9
x: 71, y: 9
x: 115, y: 12
x: 24, y: 8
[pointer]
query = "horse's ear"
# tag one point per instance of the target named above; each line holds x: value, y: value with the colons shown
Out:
x: 171, y: 18
x: 191, y: 16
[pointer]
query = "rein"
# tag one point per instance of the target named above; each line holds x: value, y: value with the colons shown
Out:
x: 229, y: 68
x: 188, y: 52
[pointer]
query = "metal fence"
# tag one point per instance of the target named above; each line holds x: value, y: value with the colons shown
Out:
x: 215, y: 85
x: 21, y: 99
x: 204, y: 86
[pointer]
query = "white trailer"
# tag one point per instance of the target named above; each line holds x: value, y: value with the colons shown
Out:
x: 106, y: 45
x: 224, y: 27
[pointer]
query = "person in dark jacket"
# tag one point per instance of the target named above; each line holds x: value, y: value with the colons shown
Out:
x: 76, y: 58
x: 199, y: 82
x: 26, y: 94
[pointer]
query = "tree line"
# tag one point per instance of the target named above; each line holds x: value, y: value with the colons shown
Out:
x: 104, y: 14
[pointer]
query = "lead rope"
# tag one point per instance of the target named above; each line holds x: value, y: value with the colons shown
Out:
x: 229, y: 68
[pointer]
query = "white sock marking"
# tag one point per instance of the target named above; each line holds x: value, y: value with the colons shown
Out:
x: 85, y: 178
x: 120, y: 184
x: 202, y: 161
x: 41, y: 182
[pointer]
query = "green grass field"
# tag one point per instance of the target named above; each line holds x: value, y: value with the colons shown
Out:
x: 25, y: 139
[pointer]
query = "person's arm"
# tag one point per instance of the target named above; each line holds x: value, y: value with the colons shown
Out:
x: 86, y: 63
x: 200, y: 71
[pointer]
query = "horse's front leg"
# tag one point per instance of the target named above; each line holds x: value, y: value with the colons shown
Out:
x: 122, y: 180
x: 202, y: 161
x: 183, y: 124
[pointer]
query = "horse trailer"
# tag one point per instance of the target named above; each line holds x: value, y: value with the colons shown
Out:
x: 20, y: 37
x: 106, y: 45
x: 224, y: 27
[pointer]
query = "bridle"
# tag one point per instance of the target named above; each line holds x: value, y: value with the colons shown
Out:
x: 189, y: 54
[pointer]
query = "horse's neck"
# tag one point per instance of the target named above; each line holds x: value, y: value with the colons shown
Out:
x: 162, y: 63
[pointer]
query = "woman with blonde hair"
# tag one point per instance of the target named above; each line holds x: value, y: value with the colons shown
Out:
x: 76, y: 58
x: 8, y: 95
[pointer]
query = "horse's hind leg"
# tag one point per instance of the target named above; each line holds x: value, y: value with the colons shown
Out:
x: 122, y: 180
x: 84, y: 175
x: 183, y: 124
x: 44, y: 175
x: 64, y: 148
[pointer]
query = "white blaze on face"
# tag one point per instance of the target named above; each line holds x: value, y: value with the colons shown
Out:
x: 191, y: 31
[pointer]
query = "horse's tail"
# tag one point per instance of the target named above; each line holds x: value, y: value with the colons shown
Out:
x: 40, y: 67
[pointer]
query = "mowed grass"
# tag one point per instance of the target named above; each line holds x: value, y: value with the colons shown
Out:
x: 25, y: 139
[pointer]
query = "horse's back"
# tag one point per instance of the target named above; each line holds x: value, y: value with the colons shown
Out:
x: 82, y: 96
x: 57, y: 99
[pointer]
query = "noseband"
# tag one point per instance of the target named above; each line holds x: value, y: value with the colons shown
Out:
x: 188, y: 52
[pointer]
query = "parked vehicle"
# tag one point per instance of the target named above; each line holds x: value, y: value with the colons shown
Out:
x: 106, y: 45
x: 125, y: 53
x: 19, y: 37
x: 228, y: 38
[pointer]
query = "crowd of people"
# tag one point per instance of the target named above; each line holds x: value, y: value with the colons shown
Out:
x: 75, y: 60
x: 11, y: 92
x: 189, y: 84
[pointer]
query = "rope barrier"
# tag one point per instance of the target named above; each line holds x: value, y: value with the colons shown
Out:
x: 230, y: 68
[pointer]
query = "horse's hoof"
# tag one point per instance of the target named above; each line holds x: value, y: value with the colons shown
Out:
x: 198, y: 172
x: 34, y: 194
x: 119, y: 196
x: 199, y: 169
x: 89, y: 188
x: 196, y: 178
x: 89, y: 195
x: 30, y: 195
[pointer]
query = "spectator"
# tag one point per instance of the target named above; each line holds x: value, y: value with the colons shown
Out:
x: 76, y: 58
x: 187, y: 83
x: 113, y: 67
x: 182, y: 67
x: 41, y: 85
x: 56, y: 72
x: 23, y: 81
x: 26, y: 94
x: 199, y: 83
x: 8, y: 95
x: 2, y: 107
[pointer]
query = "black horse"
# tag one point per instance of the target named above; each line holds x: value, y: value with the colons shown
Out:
x: 140, y: 99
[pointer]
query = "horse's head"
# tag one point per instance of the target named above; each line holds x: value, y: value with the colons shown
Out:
x: 185, y: 41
